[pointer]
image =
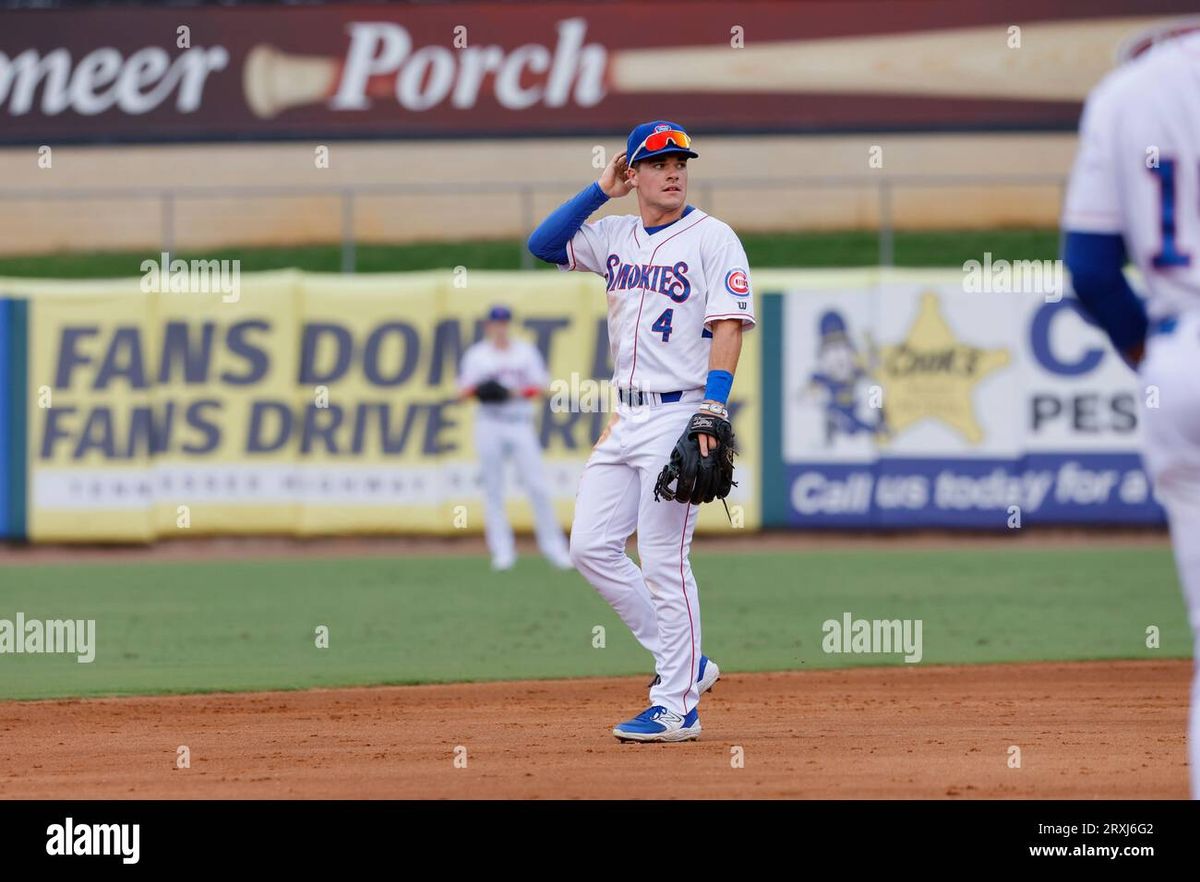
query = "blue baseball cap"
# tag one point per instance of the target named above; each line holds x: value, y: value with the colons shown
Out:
x: 636, y: 149
x: 499, y: 313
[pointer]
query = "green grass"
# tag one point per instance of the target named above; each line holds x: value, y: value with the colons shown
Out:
x: 183, y: 627
x: 812, y: 249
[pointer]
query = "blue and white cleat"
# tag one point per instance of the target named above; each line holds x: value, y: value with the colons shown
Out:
x: 709, y: 675
x: 656, y: 723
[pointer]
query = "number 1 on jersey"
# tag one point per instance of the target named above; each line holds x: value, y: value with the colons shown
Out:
x: 662, y: 324
x: 1169, y: 255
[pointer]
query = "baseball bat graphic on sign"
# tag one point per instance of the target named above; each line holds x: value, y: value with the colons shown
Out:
x: 1056, y: 61
x: 273, y: 80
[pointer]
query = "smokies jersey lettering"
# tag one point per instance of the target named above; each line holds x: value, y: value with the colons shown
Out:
x: 1137, y: 172
x: 663, y: 291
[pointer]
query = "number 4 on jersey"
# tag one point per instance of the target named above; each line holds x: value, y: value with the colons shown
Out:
x: 662, y: 324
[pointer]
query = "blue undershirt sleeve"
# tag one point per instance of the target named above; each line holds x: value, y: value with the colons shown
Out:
x: 1095, y: 261
x: 549, y: 241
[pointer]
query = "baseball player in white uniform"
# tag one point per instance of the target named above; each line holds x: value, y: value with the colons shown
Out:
x: 679, y: 297
x: 505, y: 374
x: 1135, y: 194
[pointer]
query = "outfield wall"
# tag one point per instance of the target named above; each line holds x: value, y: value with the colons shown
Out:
x: 321, y: 404
x: 111, y: 197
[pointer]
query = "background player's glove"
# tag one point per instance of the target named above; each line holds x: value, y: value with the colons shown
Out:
x: 699, y: 478
x: 491, y: 392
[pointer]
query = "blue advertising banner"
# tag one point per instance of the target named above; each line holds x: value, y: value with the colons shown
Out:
x: 977, y: 493
x: 920, y: 399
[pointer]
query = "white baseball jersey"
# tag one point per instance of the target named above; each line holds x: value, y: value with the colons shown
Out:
x: 663, y: 291
x: 1138, y: 174
x: 518, y: 366
x: 1138, y: 170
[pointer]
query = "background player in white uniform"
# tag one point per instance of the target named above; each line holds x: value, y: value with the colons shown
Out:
x: 1135, y: 192
x: 504, y: 428
x: 678, y: 299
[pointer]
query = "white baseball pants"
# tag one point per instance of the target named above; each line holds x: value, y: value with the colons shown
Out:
x: 1172, y: 457
x: 659, y: 602
x: 495, y: 440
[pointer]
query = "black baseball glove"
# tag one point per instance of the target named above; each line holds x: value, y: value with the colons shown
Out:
x: 699, y: 478
x: 491, y: 392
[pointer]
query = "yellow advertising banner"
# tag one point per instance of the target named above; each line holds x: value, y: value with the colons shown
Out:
x: 308, y: 404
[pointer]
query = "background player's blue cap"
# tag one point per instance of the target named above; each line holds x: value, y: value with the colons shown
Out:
x: 665, y: 129
x: 499, y: 313
x: 832, y: 325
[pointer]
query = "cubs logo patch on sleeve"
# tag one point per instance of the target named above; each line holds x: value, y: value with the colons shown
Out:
x: 737, y: 283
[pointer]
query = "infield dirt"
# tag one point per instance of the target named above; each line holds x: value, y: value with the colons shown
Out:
x: 1083, y: 730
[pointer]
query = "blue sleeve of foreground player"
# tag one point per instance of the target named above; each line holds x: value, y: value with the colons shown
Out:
x: 549, y: 241
x: 1095, y: 261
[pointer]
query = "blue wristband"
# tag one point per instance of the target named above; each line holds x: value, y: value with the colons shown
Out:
x: 719, y: 384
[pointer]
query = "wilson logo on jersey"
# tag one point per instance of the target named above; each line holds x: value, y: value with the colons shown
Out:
x: 669, y: 280
x: 736, y: 282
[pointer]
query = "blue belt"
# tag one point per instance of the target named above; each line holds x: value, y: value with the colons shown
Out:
x: 1163, y: 326
x: 636, y: 398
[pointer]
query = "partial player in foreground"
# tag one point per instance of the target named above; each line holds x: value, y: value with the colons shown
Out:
x: 505, y: 374
x: 1135, y: 195
x: 678, y: 300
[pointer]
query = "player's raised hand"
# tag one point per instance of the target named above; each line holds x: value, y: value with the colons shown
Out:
x: 614, y: 180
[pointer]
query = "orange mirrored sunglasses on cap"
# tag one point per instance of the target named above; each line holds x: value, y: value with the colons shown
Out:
x: 656, y: 141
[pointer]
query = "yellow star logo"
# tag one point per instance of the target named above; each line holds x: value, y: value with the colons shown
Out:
x: 931, y: 375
